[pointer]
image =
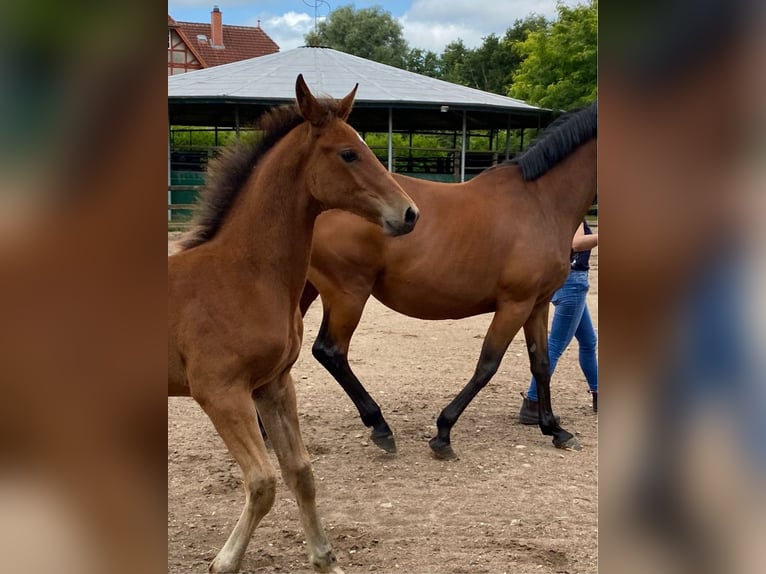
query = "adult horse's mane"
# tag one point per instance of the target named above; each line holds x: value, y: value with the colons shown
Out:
x: 228, y: 173
x: 564, y: 135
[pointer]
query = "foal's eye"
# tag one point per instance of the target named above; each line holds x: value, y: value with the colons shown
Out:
x: 348, y: 155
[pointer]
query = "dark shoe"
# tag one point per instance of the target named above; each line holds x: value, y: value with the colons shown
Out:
x: 528, y: 412
x: 595, y: 400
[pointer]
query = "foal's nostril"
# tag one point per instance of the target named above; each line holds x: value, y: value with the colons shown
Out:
x: 410, y: 216
x: 396, y: 227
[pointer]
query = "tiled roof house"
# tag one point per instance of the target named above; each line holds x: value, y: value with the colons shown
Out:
x: 193, y: 46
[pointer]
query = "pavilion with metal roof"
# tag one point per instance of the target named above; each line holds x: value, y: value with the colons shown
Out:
x: 239, y: 92
x: 389, y: 100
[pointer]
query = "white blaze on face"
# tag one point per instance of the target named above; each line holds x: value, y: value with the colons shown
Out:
x: 361, y: 138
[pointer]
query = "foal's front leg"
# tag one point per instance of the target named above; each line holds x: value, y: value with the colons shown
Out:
x: 278, y: 411
x: 232, y: 412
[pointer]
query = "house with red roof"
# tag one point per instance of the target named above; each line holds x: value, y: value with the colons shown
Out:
x: 193, y: 46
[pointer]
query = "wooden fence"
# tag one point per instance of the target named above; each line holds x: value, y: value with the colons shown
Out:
x: 180, y: 214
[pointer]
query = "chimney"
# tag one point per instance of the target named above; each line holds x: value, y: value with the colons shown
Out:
x: 216, y: 28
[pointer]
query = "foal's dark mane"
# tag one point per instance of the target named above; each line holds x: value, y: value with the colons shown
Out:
x: 564, y: 135
x: 229, y: 172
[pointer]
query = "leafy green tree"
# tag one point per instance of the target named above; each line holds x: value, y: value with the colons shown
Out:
x: 559, y: 68
x: 490, y: 66
x: 453, y: 63
x: 423, y: 62
x: 517, y: 33
x: 370, y: 33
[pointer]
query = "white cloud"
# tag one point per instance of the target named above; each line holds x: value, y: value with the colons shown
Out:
x: 292, y: 20
x: 288, y: 29
x: 432, y: 24
x: 222, y: 4
x: 427, y: 24
x: 189, y: 3
x: 432, y: 36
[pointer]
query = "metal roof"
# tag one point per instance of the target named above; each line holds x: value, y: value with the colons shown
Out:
x: 252, y: 85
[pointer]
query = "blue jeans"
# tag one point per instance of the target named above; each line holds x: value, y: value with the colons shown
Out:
x: 572, y: 319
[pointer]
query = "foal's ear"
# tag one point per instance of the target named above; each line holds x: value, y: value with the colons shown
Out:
x: 344, y: 109
x: 307, y: 103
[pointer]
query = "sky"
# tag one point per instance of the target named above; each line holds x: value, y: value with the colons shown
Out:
x: 427, y: 24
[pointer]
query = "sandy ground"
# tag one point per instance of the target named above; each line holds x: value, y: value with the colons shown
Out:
x: 511, y: 503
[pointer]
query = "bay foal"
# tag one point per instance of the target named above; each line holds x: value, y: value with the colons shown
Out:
x: 499, y: 243
x: 234, y: 326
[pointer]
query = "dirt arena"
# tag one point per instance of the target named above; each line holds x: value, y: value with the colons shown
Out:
x: 511, y: 503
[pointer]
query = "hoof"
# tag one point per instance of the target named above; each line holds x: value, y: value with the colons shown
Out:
x: 441, y: 450
x: 384, y: 440
x: 327, y: 564
x: 219, y: 566
x: 570, y: 444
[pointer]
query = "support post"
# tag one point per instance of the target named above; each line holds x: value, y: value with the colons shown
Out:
x: 410, y: 168
x: 390, y: 139
x: 236, y: 120
x: 462, y: 152
x: 170, y: 197
x: 508, y: 139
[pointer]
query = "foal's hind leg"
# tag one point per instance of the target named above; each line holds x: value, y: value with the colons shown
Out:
x: 233, y: 415
x: 536, y: 334
x: 276, y: 404
x: 340, y: 319
x: 505, y: 324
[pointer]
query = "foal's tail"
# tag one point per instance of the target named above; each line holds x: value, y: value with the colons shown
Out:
x: 310, y: 293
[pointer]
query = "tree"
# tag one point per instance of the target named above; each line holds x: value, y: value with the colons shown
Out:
x: 490, y: 66
x: 559, y: 68
x: 423, y: 62
x: 518, y: 33
x: 453, y: 63
x: 370, y: 33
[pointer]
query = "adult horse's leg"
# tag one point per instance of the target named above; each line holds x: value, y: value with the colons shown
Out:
x: 341, y: 317
x: 309, y: 295
x: 276, y: 403
x: 536, y: 334
x: 505, y: 324
x: 233, y: 415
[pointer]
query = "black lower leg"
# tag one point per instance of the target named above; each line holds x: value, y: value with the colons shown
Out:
x: 336, y: 363
x: 549, y: 424
x: 486, y: 368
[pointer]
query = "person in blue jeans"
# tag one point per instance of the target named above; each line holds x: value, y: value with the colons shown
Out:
x: 571, y: 318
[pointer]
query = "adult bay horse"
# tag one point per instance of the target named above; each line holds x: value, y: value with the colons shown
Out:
x: 498, y: 243
x: 234, y: 323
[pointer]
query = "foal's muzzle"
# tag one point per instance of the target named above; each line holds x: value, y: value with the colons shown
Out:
x: 404, y: 225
